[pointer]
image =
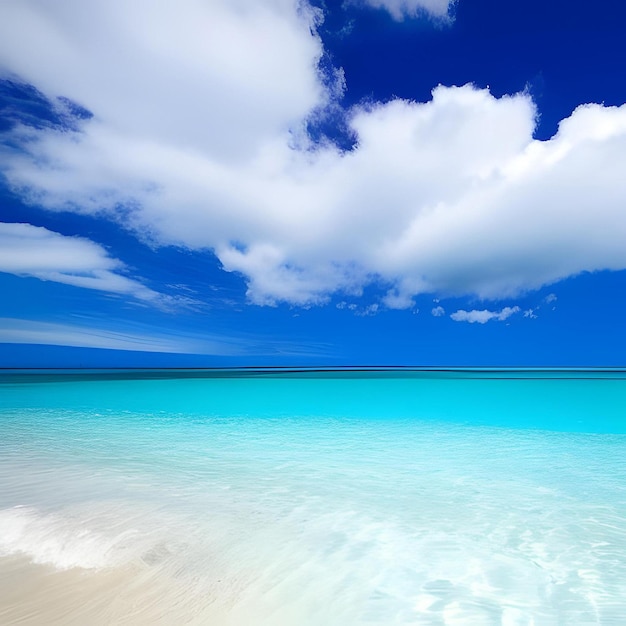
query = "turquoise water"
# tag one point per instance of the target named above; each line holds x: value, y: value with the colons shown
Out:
x: 395, y: 497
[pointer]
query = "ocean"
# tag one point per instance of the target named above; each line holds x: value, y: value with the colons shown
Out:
x: 313, y: 498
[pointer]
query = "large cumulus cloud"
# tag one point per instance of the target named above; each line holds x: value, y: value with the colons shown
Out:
x: 197, y: 140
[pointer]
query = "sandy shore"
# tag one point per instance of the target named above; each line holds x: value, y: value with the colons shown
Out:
x: 38, y: 595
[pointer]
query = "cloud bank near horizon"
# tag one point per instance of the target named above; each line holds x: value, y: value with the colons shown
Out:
x: 199, y: 141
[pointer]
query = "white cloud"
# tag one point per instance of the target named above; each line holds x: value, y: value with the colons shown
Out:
x: 550, y: 298
x: 219, y: 77
x: 366, y: 311
x: 399, y: 9
x: 197, y: 138
x: 438, y: 311
x: 482, y: 317
x: 395, y: 300
x: 370, y: 309
x: 27, y: 250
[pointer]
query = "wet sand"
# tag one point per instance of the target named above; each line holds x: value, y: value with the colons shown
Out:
x: 39, y: 595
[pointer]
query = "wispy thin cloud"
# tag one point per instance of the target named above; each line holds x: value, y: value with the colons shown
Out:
x: 27, y: 250
x: 400, y: 9
x: 48, y: 333
x: 94, y: 334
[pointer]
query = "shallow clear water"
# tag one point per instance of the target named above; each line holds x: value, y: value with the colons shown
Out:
x: 324, y: 498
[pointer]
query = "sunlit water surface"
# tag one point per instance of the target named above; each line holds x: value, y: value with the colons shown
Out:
x: 463, y: 498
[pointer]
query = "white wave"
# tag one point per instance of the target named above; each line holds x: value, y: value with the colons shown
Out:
x: 62, y: 540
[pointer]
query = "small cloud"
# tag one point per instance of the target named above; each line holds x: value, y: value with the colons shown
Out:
x: 482, y: 317
x: 550, y: 298
x: 438, y: 311
x: 530, y: 313
x: 399, y: 9
x: 396, y: 300
x: 371, y: 309
x: 346, y: 29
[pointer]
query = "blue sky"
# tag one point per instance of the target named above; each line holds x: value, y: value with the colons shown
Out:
x: 267, y: 182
